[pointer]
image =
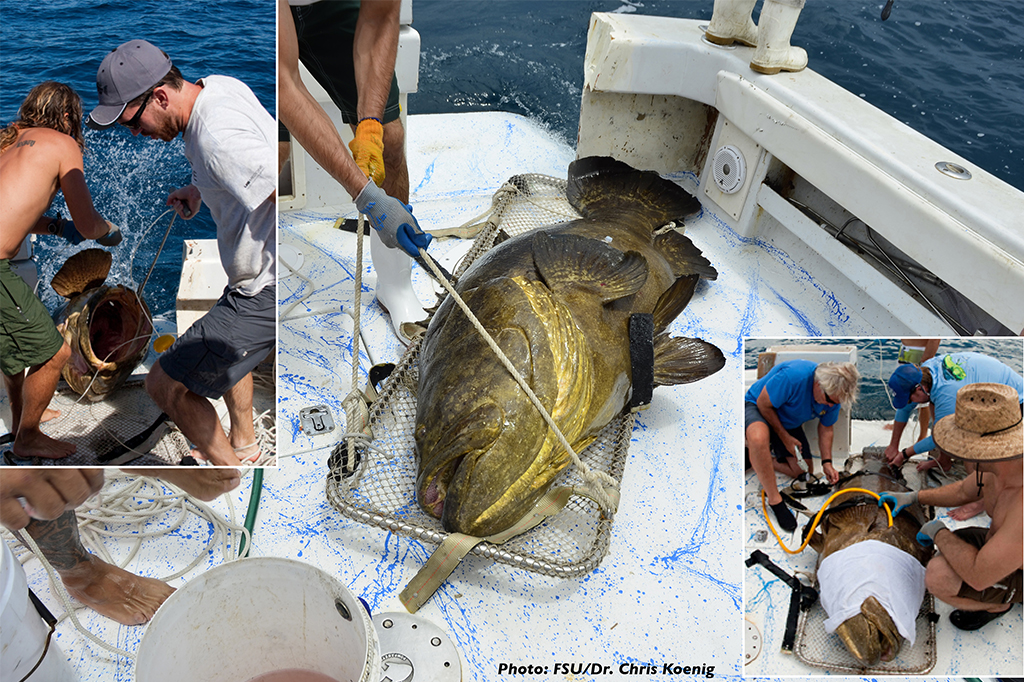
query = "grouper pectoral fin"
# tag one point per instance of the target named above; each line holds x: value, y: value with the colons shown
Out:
x: 572, y: 262
x: 83, y: 271
x: 680, y: 360
x: 683, y: 256
x: 672, y: 302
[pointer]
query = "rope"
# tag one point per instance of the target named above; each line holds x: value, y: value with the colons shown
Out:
x: 167, y: 232
x: 357, y: 415
x: 817, y: 518
x: 594, y: 479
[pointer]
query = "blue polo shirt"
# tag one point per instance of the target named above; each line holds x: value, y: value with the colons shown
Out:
x: 977, y: 368
x: 790, y: 387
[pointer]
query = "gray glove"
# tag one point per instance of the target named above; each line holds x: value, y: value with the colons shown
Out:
x: 926, y: 536
x: 898, y: 501
x: 392, y: 219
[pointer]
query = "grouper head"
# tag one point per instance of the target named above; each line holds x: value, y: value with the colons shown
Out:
x: 487, y: 455
x: 108, y: 328
x: 871, y: 635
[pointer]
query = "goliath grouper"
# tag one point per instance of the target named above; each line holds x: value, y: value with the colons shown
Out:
x: 872, y: 634
x: 558, y: 301
x: 107, y: 327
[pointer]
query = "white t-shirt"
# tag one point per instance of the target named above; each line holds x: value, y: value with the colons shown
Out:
x: 230, y: 143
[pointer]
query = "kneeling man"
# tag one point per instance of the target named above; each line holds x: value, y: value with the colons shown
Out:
x: 978, y: 570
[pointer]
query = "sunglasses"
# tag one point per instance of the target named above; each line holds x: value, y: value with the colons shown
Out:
x: 133, y: 123
x: 829, y: 399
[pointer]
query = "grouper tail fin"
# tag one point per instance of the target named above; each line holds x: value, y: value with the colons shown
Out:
x: 602, y: 187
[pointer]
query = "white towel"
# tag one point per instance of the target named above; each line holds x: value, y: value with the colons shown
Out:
x: 872, y: 569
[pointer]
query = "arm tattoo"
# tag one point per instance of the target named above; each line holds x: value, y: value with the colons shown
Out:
x: 59, y: 541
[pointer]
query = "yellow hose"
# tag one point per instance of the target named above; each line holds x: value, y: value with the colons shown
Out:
x: 817, y: 518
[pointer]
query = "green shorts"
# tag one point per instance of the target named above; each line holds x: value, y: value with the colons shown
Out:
x: 1006, y: 591
x: 325, y: 31
x: 28, y: 336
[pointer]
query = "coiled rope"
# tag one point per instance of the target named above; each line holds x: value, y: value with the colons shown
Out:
x: 136, y: 501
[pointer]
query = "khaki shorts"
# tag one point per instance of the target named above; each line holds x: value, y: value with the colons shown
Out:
x: 28, y: 337
x: 1006, y: 591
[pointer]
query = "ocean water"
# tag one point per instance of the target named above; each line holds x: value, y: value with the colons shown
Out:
x: 876, y: 360
x: 950, y: 69
x: 130, y: 177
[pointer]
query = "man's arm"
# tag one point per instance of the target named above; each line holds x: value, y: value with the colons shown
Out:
x: 952, y: 494
x: 982, y: 568
x: 88, y: 221
x: 825, y: 436
x: 892, y: 452
x: 375, y: 48
x: 767, y: 410
x: 48, y: 493
x: 306, y: 120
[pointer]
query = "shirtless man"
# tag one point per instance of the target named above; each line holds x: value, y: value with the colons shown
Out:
x: 50, y: 497
x: 40, y: 154
x: 978, y: 570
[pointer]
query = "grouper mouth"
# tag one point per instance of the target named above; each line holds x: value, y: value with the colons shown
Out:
x: 434, y: 494
x: 450, y: 453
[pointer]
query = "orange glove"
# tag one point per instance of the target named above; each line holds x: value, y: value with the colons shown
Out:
x: 368, y: 149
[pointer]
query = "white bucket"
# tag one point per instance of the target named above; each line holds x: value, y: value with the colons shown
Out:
x: 255, y: 616
x: 23, y: 632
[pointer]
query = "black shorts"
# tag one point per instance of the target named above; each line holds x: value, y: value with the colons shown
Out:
x: 1006, y: 591
x: 225, y: 344
x: 778, y: 450
x: 325, y: 32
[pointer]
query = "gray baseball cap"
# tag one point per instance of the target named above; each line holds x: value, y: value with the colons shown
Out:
x: 125, y: 73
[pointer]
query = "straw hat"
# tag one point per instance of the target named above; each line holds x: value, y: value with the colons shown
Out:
x: 986, y: 426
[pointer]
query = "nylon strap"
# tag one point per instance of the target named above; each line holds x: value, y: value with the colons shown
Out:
x: 457, y: 545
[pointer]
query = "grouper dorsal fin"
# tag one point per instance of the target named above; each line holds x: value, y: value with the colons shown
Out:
x: 83, y: 271
x: 568, y: 261
x: 681, y: 360
x: 683, y: 257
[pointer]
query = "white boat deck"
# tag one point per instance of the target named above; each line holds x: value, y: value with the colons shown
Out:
x: 670, y: 590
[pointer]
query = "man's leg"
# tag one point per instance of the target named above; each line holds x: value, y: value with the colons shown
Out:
x: 394, y: 289
x: 758, y: 438
x: 194, y: 415
x: 33, y: 396
x: 111, y: 591
x: 942, y: 581
x: 13, y: 385
x: 396, y: 171
x: 203, y: 483
x: 238, y: 400
x: 790, y: 467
